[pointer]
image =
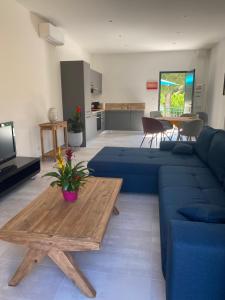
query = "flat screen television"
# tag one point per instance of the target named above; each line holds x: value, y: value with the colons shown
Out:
x: 7, y: 142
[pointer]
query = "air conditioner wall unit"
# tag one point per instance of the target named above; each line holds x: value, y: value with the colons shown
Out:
x: 51, y: 33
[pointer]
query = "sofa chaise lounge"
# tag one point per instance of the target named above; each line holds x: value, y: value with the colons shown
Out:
x: 193, y: 252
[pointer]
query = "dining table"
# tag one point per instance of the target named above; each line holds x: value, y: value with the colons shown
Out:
x: 176, y: 121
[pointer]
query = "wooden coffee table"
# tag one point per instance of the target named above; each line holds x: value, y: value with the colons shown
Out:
x: 49, y: 226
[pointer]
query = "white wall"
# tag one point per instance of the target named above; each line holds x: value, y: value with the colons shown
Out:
x: 29, y: 74
x: 216, y: 99
x: 125, y: 75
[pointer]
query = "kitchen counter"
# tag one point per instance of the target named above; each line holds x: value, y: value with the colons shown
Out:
x: 119, y: 116
x: 132, y: 106
x: 124, y: 119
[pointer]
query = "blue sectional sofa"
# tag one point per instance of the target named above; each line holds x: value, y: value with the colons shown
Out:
x: 193, y: 252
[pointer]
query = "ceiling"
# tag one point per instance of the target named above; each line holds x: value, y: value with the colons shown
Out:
x: 113, y: 26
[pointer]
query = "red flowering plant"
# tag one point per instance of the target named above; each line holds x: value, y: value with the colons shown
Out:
x: 74, y: 123
x: 69, y: 176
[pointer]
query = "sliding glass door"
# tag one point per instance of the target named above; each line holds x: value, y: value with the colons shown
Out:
x: 176, y: 91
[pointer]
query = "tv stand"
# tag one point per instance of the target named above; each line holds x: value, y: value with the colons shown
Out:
x: 16, y: 171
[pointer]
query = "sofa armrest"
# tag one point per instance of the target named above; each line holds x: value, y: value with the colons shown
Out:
x: 168, y: 145
x: 195, y: 261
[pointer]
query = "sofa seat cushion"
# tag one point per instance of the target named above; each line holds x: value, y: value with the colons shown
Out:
x: 204, y: 213
x: 216, y: 155
x: 181, y: 186
x: 203, y: 142
x: 122, y: 160
x: 183, y: 176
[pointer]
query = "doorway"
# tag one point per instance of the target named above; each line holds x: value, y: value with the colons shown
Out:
x: 176, y: 92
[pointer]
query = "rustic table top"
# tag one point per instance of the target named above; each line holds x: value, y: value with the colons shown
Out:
x: 49, y: 221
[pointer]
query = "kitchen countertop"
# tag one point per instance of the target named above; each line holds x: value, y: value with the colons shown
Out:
x: 123, y: 106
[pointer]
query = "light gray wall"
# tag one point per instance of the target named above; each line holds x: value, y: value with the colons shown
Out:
x: 125, y: 75
x: 216, y: 99
x: 29, y: 75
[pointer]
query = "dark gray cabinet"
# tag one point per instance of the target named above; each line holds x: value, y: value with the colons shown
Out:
x: 75, y: 79
x: 123, y: 120
x: 95, y: 82
x: 117, y: 120
x: 136, y: 120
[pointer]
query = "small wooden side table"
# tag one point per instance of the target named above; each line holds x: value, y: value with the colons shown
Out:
x: 53, y: 127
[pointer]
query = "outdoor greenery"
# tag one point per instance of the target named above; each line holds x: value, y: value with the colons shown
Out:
x: 172, y: 96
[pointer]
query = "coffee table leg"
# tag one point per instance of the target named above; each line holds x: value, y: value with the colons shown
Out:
x: 66, y: 263
x: 116, y: 210
x: 32, y: 257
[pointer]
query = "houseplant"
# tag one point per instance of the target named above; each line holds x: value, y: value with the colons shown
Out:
x: 69, y: 176
x: 75, y: 129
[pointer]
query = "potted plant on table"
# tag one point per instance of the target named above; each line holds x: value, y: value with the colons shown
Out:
x: 75, y: 129
x: 69, y: 176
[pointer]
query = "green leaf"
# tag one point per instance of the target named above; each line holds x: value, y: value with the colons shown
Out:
x: 54, y: 183
x: 52, y: 174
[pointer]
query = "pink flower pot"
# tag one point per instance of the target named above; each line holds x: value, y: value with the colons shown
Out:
x: 70, y: 196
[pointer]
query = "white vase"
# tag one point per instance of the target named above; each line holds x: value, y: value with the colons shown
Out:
x: 75, y: 139
x: 52, y: 115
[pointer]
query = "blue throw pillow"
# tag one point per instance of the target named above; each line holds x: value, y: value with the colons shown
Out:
x: 182, y: 148
x: 204, y: 213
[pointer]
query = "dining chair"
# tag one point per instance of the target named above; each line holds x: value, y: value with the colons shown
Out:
x: 190, y: 129
x: 155, y: 114
x: 152, y: 126
x: 166, y: 124
x: 203, y: 116
x: 188, y: 115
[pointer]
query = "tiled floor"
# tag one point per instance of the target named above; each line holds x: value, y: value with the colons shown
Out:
x: 128, y: 266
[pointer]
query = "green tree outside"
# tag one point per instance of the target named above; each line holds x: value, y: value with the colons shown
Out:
x: 172, y: 96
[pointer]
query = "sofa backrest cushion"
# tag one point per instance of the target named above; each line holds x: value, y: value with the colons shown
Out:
x: 216, y: 155
x: 203, y: 142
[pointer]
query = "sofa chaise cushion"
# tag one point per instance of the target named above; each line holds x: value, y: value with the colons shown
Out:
x: 139, y: 160
x: 137, y: 166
